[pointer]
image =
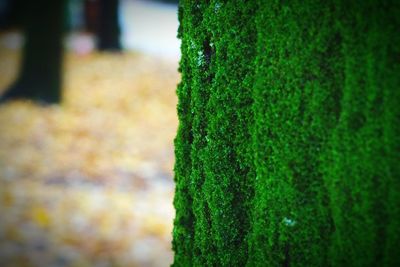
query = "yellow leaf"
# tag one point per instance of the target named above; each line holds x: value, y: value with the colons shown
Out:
x: 8, y: 198
x: 40, y: 216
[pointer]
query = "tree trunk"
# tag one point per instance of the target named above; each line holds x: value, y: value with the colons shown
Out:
x: 10, y: 14
x: 108, y: 29
x: 287, y: 149
x: 40, y: 73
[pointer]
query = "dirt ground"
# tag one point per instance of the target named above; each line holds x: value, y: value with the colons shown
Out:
x: 89, y: 182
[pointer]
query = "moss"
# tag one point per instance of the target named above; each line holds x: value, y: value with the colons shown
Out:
x: 287, y: 150
x: 297, y: 59
x: 216, y: 118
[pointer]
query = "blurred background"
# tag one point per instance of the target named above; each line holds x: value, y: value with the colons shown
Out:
x: 87, y: 122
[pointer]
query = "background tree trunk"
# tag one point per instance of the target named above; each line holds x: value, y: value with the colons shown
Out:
x: 40, y: 73
x: 108, y: 28
x: 288, y: 145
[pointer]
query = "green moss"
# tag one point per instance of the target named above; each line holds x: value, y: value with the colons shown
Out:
x: 214, y: 163
x: 288, y: 146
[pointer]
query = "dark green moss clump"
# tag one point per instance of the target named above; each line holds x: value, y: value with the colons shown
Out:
x: 288, y: 148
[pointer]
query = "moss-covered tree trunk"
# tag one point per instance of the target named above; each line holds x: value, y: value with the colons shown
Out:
x: 287, y: 152
x: 40, y: 73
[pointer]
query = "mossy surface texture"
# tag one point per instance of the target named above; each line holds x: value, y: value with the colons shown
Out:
x: 288, y: 150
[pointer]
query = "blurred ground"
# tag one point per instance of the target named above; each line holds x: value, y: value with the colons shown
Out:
x: 89, y: 183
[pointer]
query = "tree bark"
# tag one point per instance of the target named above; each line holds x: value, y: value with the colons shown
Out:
x: 40, y: 76
x: 108, y: 28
